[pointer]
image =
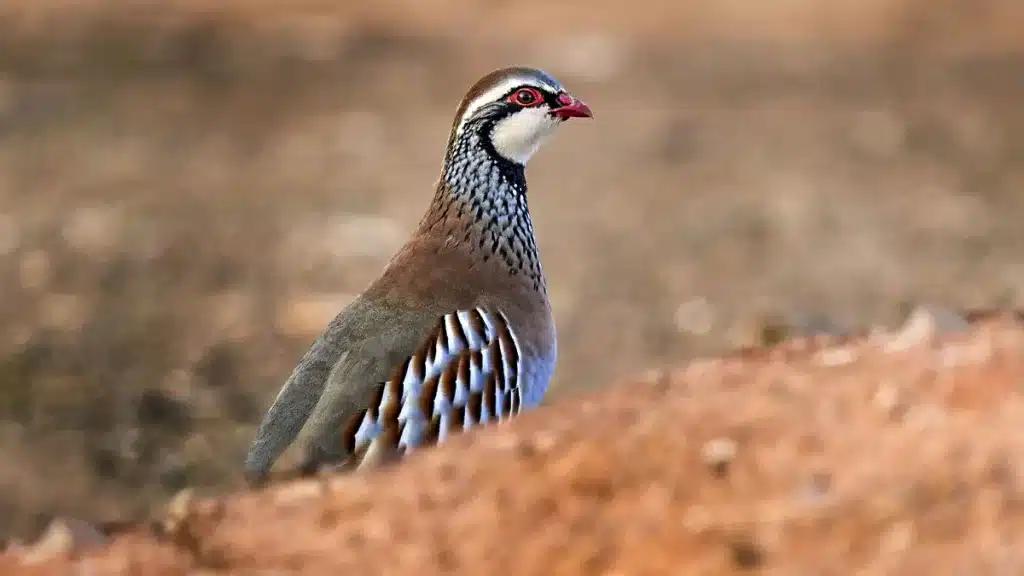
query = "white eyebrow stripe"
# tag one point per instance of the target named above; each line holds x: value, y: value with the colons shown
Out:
x: 498, y: 91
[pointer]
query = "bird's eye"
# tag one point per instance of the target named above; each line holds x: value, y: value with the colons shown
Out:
x: 526, y: 97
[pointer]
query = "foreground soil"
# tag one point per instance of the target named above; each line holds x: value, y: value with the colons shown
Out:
x: 892, y: 452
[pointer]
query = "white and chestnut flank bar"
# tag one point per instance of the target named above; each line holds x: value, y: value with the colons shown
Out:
x: 457, y: 331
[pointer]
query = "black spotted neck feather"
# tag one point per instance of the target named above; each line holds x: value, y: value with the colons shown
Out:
x: 484, y: 196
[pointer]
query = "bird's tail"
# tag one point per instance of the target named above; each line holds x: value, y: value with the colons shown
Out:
x: 289, y: 412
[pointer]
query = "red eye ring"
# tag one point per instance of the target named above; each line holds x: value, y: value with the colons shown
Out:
x: 526, y: 97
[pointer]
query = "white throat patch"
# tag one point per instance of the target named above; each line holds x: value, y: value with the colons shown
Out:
x: 518, y: 136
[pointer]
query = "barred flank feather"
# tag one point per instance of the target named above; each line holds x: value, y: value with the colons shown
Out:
x: 466, y: 373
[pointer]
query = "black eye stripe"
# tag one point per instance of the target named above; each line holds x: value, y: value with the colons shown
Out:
x: 498, y: 108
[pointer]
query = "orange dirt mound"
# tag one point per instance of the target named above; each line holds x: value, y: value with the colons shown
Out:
x: 883, y: 453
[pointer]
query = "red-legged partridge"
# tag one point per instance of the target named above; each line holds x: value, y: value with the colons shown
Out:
x: 457, y: 331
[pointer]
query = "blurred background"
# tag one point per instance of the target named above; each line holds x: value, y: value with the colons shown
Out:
x: 190, y: 190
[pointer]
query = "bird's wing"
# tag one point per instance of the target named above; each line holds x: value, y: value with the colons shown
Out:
x: 463, y: 373
x: 359, y: 347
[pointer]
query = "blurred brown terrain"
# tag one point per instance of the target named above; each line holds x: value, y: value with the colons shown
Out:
x: 190, y: 190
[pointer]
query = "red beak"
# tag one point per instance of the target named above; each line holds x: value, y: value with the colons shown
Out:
x: 575, y: 109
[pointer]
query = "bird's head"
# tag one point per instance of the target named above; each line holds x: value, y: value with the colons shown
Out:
x: 514, y: 110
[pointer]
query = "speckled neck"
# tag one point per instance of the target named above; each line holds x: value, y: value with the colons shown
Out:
x: 481, y: 200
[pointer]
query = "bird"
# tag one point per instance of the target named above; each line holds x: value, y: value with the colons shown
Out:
x: 457, y: 331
